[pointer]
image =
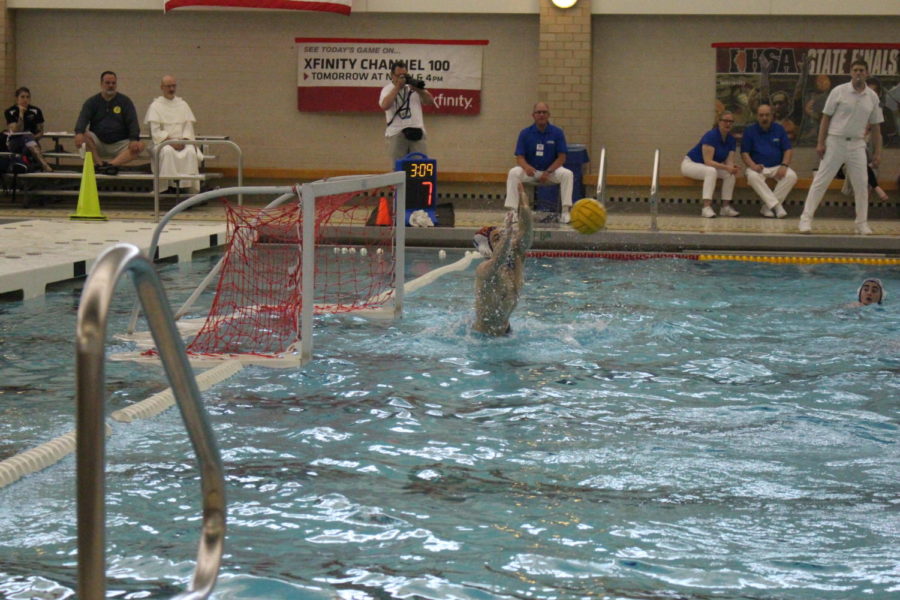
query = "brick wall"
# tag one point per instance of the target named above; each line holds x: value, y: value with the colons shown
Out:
x: 564, y: 80
x: 8, y: 56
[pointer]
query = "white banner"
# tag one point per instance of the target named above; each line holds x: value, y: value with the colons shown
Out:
x: 346, y: 74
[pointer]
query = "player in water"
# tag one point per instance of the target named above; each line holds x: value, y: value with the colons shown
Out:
x: 499, y: 279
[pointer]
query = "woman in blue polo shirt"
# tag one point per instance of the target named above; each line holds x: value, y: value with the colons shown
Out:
x: 713, y: 158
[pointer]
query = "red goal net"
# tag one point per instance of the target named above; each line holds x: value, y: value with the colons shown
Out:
x: 260, y: 293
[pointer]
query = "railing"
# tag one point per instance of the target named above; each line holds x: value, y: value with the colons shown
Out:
x: 654, y: 193
x: 154, y: 165
x: 601, y: 177
x: 93, y: 313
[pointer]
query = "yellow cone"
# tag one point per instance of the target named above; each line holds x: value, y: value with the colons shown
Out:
x: 88, y: 200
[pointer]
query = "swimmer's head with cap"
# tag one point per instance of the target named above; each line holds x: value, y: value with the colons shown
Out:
x: 483, y: 242
x: 871, y: 292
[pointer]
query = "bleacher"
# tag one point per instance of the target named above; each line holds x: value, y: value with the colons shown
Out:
x: 134, y: 180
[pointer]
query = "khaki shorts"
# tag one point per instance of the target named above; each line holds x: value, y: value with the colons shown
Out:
x: 107, y: 150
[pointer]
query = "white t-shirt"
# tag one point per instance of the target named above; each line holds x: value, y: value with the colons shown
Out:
x: 406, y: 118
x: 851, y: 111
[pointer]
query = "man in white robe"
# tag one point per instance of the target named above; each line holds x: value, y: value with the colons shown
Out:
x: 170, y: 118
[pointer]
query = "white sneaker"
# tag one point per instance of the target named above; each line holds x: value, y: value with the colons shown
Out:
x: 766, y: 212
x: 847, y: 189
x: 780, y: 212
x: 708, y: 212
x: 863, y: 229
x: 565, y: 217
x: 727, y: 211
x: 805, y: 225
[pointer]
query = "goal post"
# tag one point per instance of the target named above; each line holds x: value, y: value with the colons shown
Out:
x: 309, y: 193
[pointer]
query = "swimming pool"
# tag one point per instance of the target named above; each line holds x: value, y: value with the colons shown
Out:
x: 652, y: 429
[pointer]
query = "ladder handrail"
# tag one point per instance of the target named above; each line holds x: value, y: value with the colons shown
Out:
x: 93, y: 316
x: 654, y: 192
x: 601, y: 177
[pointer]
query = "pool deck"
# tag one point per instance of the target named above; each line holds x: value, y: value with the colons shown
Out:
x: 37, y: 252
x: 40, y: 246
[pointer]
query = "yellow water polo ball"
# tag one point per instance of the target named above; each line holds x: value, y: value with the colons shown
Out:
x: 588, y: 216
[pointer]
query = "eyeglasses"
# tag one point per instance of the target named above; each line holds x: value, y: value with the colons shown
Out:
x: 727, y: 120
x: 542, y: 112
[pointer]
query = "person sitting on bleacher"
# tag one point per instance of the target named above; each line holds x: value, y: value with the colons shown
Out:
x: 26, y: 126
x: 108, y: 127
x: 171, y: 118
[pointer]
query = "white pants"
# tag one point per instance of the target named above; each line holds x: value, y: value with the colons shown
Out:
x: 841, y: 151
x: 708, y: 176
x: 562, y: 176
x: 782, y: 188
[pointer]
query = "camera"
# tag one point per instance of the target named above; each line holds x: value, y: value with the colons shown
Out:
x: 416, y: 83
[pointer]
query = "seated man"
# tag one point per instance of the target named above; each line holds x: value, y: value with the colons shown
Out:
x: 767, y: 152
x: 108, y: 127
x: 499, y: 279
x: 540, y: 153
x: 171, y: 118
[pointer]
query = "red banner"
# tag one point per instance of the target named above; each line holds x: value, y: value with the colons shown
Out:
x: 335, y: 6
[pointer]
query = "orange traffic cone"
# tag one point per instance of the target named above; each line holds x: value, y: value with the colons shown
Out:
x: 88, y: 207
x: 384, y: 213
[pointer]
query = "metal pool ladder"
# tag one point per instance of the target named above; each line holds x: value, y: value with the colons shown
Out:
x: 654, y: 193
x: 93, y: 313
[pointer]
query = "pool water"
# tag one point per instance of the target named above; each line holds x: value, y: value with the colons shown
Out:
x: 651, y: 429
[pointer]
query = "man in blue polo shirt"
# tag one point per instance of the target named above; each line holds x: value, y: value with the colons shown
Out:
x: 540, y: 153
x: 767, y: 152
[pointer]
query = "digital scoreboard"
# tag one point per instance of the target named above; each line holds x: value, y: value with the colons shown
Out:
x: 421, y: 181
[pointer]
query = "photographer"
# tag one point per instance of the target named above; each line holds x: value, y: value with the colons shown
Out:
x: 402, y: 101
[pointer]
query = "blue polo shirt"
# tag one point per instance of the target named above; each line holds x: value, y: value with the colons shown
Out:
x: 539, y: 148
x: 713, y: 138
x: 766, y: 147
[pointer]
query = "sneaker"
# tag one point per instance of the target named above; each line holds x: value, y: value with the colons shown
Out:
x: 863, y: 229
x: 767, y: 212
x: 847, y: 189
x: 727, y: 211
x: 805, y: 225
x: 708, y: 212
x: 780, y: 212
x: 565, y: 217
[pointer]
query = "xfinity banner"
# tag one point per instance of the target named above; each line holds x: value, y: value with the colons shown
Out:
x: 796, y: 78
x: 347, y: 74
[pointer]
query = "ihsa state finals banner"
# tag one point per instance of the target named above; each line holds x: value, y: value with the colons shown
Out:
x: 796, y: 78
x: 347, y: 74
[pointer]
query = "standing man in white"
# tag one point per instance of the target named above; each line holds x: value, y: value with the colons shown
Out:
x: 850, y: 107
x: 170, y: 118
x: 402, y: 101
